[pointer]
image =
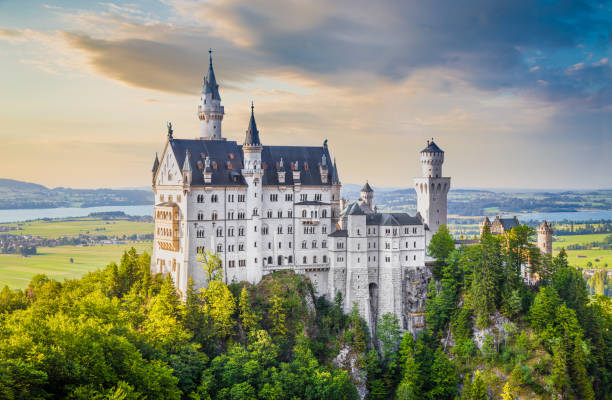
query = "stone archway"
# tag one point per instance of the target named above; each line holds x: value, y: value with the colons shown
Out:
x: 373, y: 289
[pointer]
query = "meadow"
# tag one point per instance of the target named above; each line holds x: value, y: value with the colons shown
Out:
x: 581, y: 258
x: 71, y: 227
x: 16, y: 270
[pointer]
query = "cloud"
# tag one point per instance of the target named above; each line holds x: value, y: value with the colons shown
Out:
x: 10, y: 33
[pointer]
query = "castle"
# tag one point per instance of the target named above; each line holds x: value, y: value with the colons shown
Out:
x: 265, y: 208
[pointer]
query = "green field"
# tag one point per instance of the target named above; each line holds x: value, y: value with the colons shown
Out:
x: 16, y: 271
x: 592, y: 255
x: 71, y: 227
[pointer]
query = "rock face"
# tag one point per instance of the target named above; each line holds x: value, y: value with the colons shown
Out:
x: 415, y: 286
x: 496, y: 329
x: 348, y: 360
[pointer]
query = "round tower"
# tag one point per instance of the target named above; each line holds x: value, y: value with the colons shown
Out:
x: 367, y: 195
x: 545, y: 232
x: 210, y: 110
x: 432, y: 158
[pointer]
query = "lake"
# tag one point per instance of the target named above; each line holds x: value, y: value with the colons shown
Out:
x: 67, y: 212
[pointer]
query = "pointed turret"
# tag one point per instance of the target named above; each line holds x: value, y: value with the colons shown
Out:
x: 186, y: 163
x: 210, y: 83
x: 335, y: 178
x: 252, y: 134
x: 155, y: 164
x: 187, y: 173
x: 210, y: 110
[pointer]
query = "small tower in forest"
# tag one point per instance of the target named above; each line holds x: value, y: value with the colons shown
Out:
x: 545, y: 232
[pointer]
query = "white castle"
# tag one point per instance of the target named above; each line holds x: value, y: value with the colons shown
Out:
x: 270, y: 208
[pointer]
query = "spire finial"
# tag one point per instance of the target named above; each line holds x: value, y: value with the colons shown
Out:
x: 170, y: 131
x: 210, y: 55
x: 252, y: 108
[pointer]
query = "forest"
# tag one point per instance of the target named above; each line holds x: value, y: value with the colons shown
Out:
x: 123, y: 333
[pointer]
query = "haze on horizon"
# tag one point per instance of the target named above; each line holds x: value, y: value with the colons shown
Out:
x: 518, y: 94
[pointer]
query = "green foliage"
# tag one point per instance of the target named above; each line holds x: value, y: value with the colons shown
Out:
x: 122, y: 333
x: 440, y: 246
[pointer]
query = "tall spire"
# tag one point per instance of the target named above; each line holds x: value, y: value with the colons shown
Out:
x: 252, y: 134
x: 335, y: 178
x: 155, y: 163
x: 211, y: 82
x: 186, y: 164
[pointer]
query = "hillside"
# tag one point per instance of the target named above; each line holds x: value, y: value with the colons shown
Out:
x: 18, y: 195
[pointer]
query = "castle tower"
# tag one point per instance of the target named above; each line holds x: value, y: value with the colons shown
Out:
x: 336, y: 202
x: 253, y: 174
x: 367, y: 195
x: 431, y: 188
x: 545, y: 232
x: 210, y: 110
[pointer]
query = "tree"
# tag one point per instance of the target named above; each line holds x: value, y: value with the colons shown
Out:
x: 559, y: 376
x: 212, y: 265
x: 440, y: 246
x: 248, y: 318
x: 478, y: 391
x: 388, y: 335
x: 578, y: 371
x: 219, y: 305
x: 444, y: 377
x: 508, y: 392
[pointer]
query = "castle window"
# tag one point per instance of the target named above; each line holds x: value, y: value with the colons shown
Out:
x: 269, y: 213
x: 415, y: 244
x: 288, y: 197
x: 414, y: 257
x: 230, y: 232
x: 255, y: 260
x: 304, y: 260
x: 274, y: 197
x: 270, y: 260
x: 241, y: 247
x: 241, y: 198
x: 318, y: 197
x: 270, y: 245
x: 219, y: 248
x: 279, y: 229
x: 230, y: 215
x: 290, y: 259
x: 303, y: 244
x: 214, y: 216
x: 200, y: 216
x: 290, y: 214
x: 280, y: 245
x: 304, y: 197
x: 279, y: 214
x: 303, y: 213
x: 280, y: 260
x: 314, y: 259
x: 289, y: 244
x: 219, y: 232
x: 414, y: 230
x: 214, y: 198
x: 290, y: 229
x: 255, y: 214
x: 264, y: 230
x: 387, y: 245
x: 242, y: 263
x: 358, y: 246
x: 314, y: 244
x: 324, y: 244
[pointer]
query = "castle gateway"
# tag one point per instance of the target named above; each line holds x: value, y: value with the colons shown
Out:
x: 266, y: 208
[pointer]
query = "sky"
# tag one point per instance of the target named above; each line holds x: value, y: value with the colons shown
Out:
x: 517, y: 93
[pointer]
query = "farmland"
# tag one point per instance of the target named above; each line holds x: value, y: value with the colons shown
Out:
x: 16, y: 270
x: 71, y: 227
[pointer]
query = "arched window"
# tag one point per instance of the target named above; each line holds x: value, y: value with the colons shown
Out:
x: 280, y: 260
x: 324, y: 213
x: 290, y: 259
x: 304, y: 260
x: 324, y: 259
x: 270, y: 260
x: 219, y: 248
x: 214, y: 216
x: 200, y: 216
x: 303, y: 213
x: 219, y: 232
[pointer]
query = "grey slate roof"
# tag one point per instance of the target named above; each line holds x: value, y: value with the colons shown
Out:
x: 432, y: 147
x: 391, y: 219
x: 252, y: 134
x: 353, y: 208
x: 210, y: 83
x: 509, y: 223
x: 155, y: 164
x: 339, y: 233
x: 335, y: 178
x: 228, y: 171
x: 367, y: 188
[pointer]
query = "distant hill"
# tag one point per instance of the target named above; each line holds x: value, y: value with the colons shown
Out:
x: 19, y: 195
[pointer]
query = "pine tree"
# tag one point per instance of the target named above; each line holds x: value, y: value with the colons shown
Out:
x: 580, y: 378
x: 478, y: 390
x: 248, y: 317
x: 559, y: 377
x: 508, y: 392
